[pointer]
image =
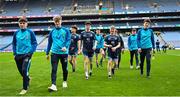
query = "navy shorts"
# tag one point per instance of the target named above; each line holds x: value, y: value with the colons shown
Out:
x: 97, y: 51
x: 73, y: 53
x: 113, y: 55
x: 89, y: 54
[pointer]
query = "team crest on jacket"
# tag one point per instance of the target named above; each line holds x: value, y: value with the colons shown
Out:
x: 112, y: 42
x: 84, y: 35
x: 88, y: 39
x: 26, y: 37
x: 74, y: 36
x: 91, y: 35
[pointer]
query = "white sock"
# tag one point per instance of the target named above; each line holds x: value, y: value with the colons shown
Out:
x: 86, y: 73
x: 109, y: 73
x: 90, y: 70
x: 64, y: 82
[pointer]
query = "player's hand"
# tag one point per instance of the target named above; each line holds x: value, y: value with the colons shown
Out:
x: 94, y: 48
x: 64, y: 49
x: 113, y: 49
x: 122, y: 50
x: 72, y: 48
x: 47, y: 57
x: 110, y: 46
x: 152, y: 53
x: 139, y: 50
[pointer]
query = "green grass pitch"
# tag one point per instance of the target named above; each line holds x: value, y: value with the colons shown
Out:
x: 164, y: 81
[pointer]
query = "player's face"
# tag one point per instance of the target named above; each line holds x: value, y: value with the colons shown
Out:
x: 146, y: 24
x: 98, y: 31
x: 88, y: 26
x: 112, y: 31
x: 23, y: 25
x: 133, y: 32
x: 57, y: 23
x: 116, y: 31
x: 73, y: 30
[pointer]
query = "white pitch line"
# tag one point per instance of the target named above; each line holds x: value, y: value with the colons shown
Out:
x: 173, y: 54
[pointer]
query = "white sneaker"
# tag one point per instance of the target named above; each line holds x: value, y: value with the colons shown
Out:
x: 86, y: 77
x: 52, y: 88
x: 23, y: 92
x: 137, y: 67
x: 131, y: 67
x: 64, y: 84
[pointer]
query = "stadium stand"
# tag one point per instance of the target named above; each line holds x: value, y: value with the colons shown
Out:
x: 172, y: 38
x: 123, y: 14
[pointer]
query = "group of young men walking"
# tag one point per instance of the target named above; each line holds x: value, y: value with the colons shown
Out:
x: 63, y: 43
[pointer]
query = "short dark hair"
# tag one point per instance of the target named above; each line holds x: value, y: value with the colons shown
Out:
x: 22, y: 19
x: 87, y: 22
x: 74, y: 26
x: 133, y: 29
x: 147, y: 20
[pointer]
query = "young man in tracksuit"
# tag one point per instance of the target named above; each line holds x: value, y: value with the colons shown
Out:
x: 99, y: 47
x: 24, y: 45
x: 145, y: 39
x: 112, y: 42
x: 58, y: 42
x: 158, y: 46
x: 133, y: 48
x: 74, y: 48
x: 120, y: 49
x: 88, y: 42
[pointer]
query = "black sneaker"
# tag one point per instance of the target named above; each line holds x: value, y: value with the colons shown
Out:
x: 87, y: 78
x: 73, y: 70
x: 148, y: 77
x: 109, y: 76
x: 90, y: 73
x: 141, y: 72
x: 97, y: 65
x: 101, y: 64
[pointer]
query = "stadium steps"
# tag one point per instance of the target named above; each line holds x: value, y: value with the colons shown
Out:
x: 43, y: 43
x: 45, y: 37
x: 161, y: 39
x: 1, y: 49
